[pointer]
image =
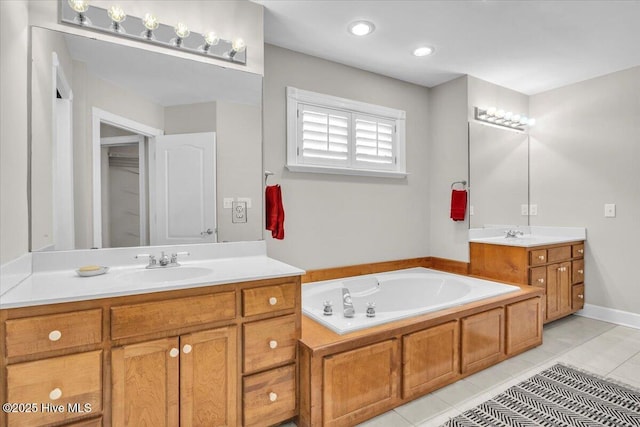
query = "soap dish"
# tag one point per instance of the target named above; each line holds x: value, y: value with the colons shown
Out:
x: 95, y: 272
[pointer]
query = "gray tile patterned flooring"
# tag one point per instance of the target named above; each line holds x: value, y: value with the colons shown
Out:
x: 602, y: 348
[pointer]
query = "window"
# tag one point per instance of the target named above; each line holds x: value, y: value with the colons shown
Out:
x: 326, y: 134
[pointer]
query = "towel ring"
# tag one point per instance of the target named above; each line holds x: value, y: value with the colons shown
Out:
x: 267, y: 174
x: 463, y: 183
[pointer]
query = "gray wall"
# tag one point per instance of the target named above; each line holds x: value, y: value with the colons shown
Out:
x: 335, y: 220
x: 585, y: 152
x: 14, y: 220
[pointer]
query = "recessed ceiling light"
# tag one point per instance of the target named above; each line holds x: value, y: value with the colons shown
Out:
x: 423, y: 51
x: 361, y: 28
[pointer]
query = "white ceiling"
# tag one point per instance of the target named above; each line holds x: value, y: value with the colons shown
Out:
x: 526, y: 45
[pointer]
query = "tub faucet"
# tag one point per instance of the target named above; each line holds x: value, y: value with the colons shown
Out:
x: 347, y: 303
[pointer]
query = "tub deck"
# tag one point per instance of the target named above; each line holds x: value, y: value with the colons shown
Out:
x: 346, y: 379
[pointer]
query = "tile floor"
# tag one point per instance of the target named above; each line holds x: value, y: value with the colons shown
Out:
x: 599, y: 347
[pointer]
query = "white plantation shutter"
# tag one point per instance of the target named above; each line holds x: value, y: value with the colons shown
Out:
x: 327, y: 134
x: 324, y: 135
x: 375, y: 142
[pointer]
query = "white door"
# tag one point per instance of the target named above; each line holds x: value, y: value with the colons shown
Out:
x: 182, y: 189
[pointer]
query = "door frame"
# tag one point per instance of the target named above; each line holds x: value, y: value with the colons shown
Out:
x: 101, y: 116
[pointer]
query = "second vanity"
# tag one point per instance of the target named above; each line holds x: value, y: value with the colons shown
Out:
x: 551, y: 258
x: 215, y: 350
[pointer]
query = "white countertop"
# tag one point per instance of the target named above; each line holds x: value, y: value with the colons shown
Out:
x: 533, y: 235
x: 59, y: 286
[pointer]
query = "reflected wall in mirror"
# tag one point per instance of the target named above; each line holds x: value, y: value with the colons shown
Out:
x: 133, y: 148
x: 498, y: 175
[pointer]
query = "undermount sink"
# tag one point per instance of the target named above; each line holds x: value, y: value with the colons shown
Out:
x: 160, y: 275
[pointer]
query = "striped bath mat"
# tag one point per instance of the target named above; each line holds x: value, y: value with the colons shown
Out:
x: 558, y: 396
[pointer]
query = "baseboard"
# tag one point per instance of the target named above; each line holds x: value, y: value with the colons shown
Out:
x: 359, y: 270
x: 619, y: 317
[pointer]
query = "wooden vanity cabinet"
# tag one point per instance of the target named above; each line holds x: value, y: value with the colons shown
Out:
x: 558, y: 269
x: 174, y: 358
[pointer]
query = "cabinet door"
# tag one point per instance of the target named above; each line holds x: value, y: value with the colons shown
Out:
x: 208, y: 372
x: 524, y: 325
x: 361, y: 383
x: 430, y: 359
x: 482, y: 340
x: 145, y: 384
x: 558, y: 290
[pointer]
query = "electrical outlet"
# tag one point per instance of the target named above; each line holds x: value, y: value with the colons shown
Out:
x: 239, y: 212
x: 533, y: 210
x: 247, y: 200
x: 524, y: 210
x: 610, y: 210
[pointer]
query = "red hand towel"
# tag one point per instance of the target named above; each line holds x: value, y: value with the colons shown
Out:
x: 275, y: 211
x: 458, y: 204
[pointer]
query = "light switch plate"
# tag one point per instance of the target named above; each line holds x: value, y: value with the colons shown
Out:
x: 227, y: 202
x: 610, y: 210
x: 524, y: 210
x: 471, y: 211
x: 533, y: 210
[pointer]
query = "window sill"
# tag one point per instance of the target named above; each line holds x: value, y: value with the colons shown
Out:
x: 347, y: 171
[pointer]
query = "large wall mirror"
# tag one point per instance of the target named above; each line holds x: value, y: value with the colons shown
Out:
x: 133, y: 148
x: 498, y: 176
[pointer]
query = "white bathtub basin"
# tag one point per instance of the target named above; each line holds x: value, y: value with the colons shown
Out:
x: 397, y: 295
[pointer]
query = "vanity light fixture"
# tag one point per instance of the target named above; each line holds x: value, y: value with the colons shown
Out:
x: 117, y: 15
x: 503, y: 118
x: 361, y: 28
x: 149, y: 29
x: 80, y: 7
x: 182, y: 32
x: 150, y: 22
x: 423, y: 51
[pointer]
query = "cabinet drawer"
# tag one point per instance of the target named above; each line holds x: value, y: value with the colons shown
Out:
x: 538, y: 277
x: 538, y: 257
x: 96, y: 422
x: 32, y: 335
x: 559, y: 254
x: 59, y: 382
x: 577, y: 297
x: 269, y: 397
x: 578, y: 250
x: 269, y: 342
x: 268, y: 299
x: 577, y: 271
x: 152, y: 317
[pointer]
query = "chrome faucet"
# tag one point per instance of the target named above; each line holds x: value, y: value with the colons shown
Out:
x: 164, y: 261
x: 347, y: 303
x: 513, y: 233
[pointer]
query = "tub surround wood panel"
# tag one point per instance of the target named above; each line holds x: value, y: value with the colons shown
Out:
x: 557, y: 268
x: 319, y: 347
x: 178, y: 354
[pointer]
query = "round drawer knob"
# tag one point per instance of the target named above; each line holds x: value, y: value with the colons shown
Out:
x: 541, y: 257
x: 273, y: 344
x: 580, y: 251
x: 581, y: 296
x: 273, y: 301
x: 581, y: 271
x: 55, y: 335
x: 55, y: 394
x: 540, y: 280
x: 174, y: 352
x: 273, y: 397
x: 187, y: 349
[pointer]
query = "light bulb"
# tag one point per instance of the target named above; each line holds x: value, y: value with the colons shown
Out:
x: 516, y: 118
x: 491, y: 111
x: 116, y: 13
x: 524, y: 120
x: 508, y: 115
x: 238, y: 45
x: 211, y: 38
x: 500, y: 114
x: 79, y: 6
x: 182, y: 30
x: 532, y: 122
x: 150, y: 21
